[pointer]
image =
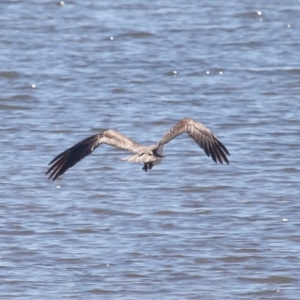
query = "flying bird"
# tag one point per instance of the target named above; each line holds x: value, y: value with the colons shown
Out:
x: 148, y: 155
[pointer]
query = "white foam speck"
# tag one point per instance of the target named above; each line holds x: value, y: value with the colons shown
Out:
x: 288, y: 25
x: 58, y: 186
x: 33, y: 86
x: 285, y: 220
x: 111, y: 38
x: 221, y: 72
x: 259, y: 12
x: 174, y: 72
x: 62, y: 3
x: 207, y: 72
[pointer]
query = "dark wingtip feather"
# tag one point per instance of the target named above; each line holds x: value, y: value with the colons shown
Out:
x: 212, y: 153
x: 223, y: 149
x: 68, y: 158
x: 58, y: 156
x: 217, y: 153
x: 206, y: 150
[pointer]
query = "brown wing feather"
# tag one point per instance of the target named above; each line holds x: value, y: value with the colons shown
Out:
x: 67, y: 159
x: 201, y: 135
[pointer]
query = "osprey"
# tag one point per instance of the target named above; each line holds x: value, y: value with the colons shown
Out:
x: 148, y: 155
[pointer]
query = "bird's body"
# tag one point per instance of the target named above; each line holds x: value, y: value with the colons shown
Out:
x: 148, y: 155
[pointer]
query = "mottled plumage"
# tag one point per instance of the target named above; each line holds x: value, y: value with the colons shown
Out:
x: 149, y: 155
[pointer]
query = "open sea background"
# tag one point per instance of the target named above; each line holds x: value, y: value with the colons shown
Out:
x: 188, y: 229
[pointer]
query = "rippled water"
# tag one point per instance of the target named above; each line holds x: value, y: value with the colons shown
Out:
x: 189, y: 229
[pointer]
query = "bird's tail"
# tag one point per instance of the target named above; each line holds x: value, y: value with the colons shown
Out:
x: 147, y: 156
x: 140, y: 158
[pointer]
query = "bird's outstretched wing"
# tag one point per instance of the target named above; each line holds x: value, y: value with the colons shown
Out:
x: 201, y: 135
x: 67, y: 159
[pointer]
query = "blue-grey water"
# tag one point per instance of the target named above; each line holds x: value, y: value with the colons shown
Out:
x: 189, y: 228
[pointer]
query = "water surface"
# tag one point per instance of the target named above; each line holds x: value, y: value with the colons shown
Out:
x: 189, y: 229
